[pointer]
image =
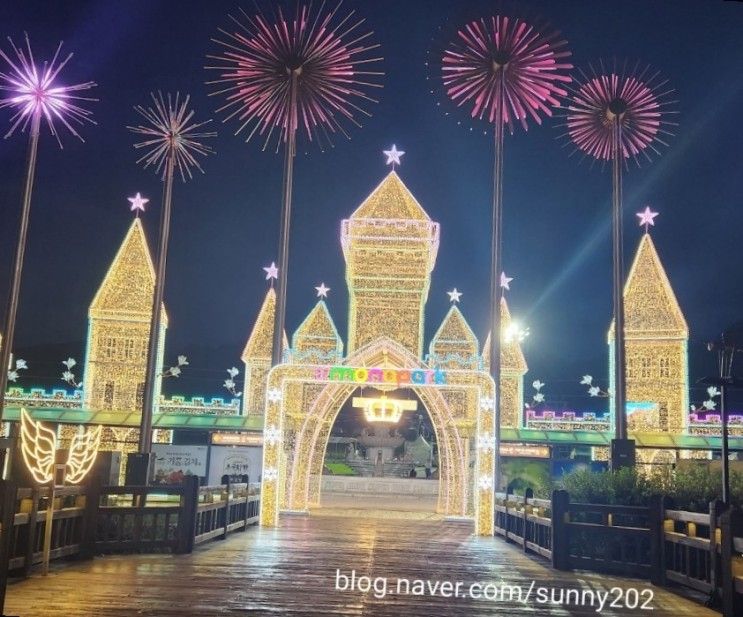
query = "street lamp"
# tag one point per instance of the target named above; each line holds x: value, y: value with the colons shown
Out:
x: 729, y: 343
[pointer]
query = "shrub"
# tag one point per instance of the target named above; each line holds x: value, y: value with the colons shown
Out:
x: 691, y: 486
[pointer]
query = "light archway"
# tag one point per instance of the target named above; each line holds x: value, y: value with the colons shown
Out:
x: 303, y: 401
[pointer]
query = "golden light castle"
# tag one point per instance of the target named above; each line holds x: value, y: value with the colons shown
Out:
x: 390, y: 246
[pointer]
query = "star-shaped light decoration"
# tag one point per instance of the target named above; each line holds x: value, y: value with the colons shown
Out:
x: 485, y: 442
x: 271, y: 435
x: 485, y: 483
x: 594, y: 391
x: 486, y: 403
x: 272, y: 272
x: 647, y: 217
x: 454, y: 295
x: 270, y: 474
x: 393, y: 156
x: 322, y: 291
x: 137, y: 203
x: 274, y: 395
x: 505, y: 281
x: 586, y: 380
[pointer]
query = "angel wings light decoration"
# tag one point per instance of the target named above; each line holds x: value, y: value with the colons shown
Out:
x: 39, y: 447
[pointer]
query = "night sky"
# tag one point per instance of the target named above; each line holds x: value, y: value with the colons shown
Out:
x: 225, y: 223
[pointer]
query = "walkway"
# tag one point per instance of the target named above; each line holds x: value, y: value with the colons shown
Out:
x: 292, y: 571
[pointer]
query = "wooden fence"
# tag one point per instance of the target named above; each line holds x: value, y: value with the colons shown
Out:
x: 701, y: 551
x: 90, y: 520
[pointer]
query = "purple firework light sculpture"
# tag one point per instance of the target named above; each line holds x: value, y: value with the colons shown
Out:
x: 172, y: 140
x: 613, y: 116
x: 34, y: 94
x: 508, y: 72
x: 310, y: 71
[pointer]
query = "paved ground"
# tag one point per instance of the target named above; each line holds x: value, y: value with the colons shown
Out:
x: 292, y: 571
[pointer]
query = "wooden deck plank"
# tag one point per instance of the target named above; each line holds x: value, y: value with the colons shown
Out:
x: 291, y: 571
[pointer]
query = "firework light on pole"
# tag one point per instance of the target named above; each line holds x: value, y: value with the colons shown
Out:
x: 35, y: 94
x: 308, y: 72
x: 614, y: 116
x: 171, y: 140
x: 506, y: 72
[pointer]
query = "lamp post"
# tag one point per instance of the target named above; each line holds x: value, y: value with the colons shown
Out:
x: 729, y: 343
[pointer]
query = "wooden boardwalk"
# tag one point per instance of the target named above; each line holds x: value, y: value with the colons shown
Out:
x: 292, y: 571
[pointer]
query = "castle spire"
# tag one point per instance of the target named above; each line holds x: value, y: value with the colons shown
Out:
x: 119, y: 328
x: 257, y: 355
x: 317, y: 338
x: 513, y: 369
x: 656, y: 338
x: 390, y: 245
x: 454, y: 345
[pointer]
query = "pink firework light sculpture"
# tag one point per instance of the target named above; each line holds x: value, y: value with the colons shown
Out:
x: 620, y: 109
x: 507, y: 72
x: 614, y: 116
x: 172, y: 140
x: 34, y: 93
x: 308, y: 72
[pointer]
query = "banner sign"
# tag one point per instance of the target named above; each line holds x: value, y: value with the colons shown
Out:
x: 387, y: 376
x: 234, y: 461
x: 173, y: 463
x: 238, y: 439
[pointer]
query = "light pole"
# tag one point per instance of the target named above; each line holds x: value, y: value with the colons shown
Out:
x: 729, y: 343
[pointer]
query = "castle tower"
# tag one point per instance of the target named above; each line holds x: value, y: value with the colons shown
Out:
x: 454, y: 346
x: 317, y: 339
x: 656, y: 338
x: 257, y: 356
x: 390, y: 245
x: 119, y: 329
x: 513, y: 369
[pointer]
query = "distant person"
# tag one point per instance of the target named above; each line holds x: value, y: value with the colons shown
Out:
x: 428, y: 473
x: 413, y: 472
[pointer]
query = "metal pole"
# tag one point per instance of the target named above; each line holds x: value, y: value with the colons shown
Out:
x: 6, y: 347
x: 495, y: 288
x: 724, y: 453
x: 151, y: 376
x: 289, y: 153
x: 620, y: 388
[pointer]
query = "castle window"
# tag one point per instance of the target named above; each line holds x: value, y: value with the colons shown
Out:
x: 128, y: 349
x: 140, y: 394
x: 665, y: 367
x: 630, y: 365
x: 109, y: 344
x: 108, y: 395
x: 645, y: 368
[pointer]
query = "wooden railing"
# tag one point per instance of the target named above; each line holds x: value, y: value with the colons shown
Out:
x: 145, y: 519
x: 525, y: 521
x: 29, y: 525
x: 653, y: 542
x: 90, y: 520
x: 225, y: 508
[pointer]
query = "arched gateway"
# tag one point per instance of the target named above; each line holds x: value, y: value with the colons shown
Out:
x: 390, y: 247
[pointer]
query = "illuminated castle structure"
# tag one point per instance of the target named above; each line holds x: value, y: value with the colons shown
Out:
x: 656, y: 339
x: 390, y: 246
x: 118, y: 329
x: 257, y: 356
